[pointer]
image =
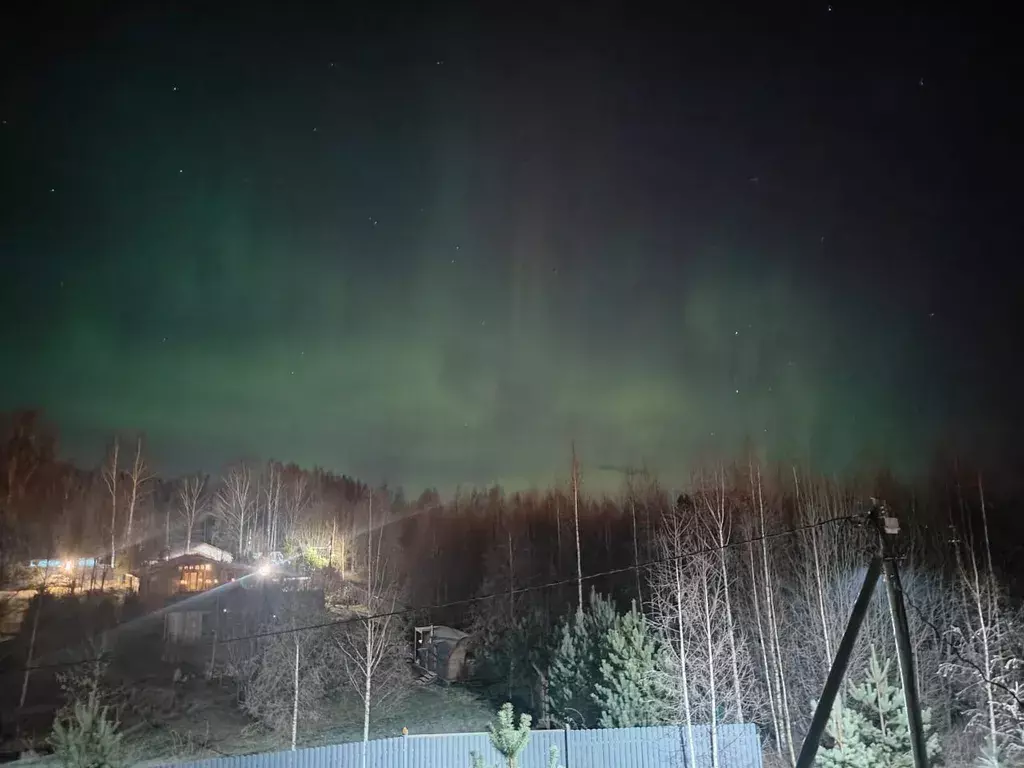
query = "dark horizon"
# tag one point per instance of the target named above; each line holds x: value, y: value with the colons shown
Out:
x: 436, y: 247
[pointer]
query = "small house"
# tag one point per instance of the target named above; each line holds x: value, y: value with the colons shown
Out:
x: 442, y: 651
x: 188, y: 588
x: 187, y: 573
x: 203, y: 595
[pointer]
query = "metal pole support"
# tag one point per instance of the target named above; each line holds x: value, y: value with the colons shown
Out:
x: 839, y: 665
x: 888, y: 527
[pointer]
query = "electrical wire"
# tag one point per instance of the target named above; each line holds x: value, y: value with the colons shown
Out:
x: 505, y: 594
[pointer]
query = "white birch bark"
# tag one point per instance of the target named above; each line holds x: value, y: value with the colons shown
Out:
x: 110, y: 474
x: 576, y: 518
x: 138, y: 477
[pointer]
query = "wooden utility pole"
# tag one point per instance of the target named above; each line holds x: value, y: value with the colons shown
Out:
x: 888, y: 527
x: 883, y: 562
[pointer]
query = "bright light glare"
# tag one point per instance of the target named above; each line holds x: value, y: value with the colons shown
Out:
x: 67, y: 565
x: 263, y: 570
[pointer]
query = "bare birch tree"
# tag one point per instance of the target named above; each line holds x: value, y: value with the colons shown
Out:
x: 371, y: 657
x: 671, y: 606
x: 137, y: 480
x: 285, y: 674
x: 192, y: 504
x: 270, y: 489
x: 988, y: 658
x: 775, y: 646
x: 692, y: 611
x: 110, y: 474
x: 720, y: 525
x: 233, y: 505
x: 298, y: 500
x: 576, y: 518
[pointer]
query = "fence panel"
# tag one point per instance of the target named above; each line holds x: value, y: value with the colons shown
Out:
x: 625, y: 747
x: 448, y: 749
x: 537, y: 749
x: 654, y: 747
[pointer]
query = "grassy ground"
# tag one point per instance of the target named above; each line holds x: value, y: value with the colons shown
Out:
x: 428, y: 709
x: 211, y: 726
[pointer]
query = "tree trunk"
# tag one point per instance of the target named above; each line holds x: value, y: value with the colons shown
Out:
x: 730, y: 624
x: 984, y: 627
x: 112, y: 485
x: 295, y: 698
x: 369, y: 630
x: 558, y: 533
x: 688, y: 716
x: 764, y: 650
x: 511, y: 610
x: 819, y: 582
x: 334, y: 530
x: 709, y: 637
x: 636, y: 553
x: 773, y: 632
x: 213, y: 656
x: 366, y: 690
x: 138, y: 468
x: 993, y: 618
x: 576, y: 516
x: 821, y: 601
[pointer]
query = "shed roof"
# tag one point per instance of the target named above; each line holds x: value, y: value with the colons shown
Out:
x: 448, y: 633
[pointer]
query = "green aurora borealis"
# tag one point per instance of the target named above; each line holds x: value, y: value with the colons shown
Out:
x: 437, y: 258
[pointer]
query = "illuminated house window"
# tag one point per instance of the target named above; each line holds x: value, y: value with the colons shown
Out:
x: 194, y: 578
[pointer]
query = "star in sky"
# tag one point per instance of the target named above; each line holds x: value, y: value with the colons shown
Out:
x: 241, y: 277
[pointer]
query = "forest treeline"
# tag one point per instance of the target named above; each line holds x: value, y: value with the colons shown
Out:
x: 734, y: 592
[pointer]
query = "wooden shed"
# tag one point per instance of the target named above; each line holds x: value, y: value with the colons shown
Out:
x: 442, y: 651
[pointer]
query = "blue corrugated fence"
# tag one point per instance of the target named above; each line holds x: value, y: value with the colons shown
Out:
x: 655, y: 747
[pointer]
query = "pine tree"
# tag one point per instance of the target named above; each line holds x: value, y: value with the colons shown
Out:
x: 565, y: 677
x: 626, y: 693
x: 576, y: 663
x: 871, y: 730
x: 88, y: 738
x: 510, y: 740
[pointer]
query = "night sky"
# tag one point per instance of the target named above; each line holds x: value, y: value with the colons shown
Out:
x: 434, y: 247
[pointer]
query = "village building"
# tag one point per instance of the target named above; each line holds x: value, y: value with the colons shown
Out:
x: 204, y: 595
x: 442, y: 652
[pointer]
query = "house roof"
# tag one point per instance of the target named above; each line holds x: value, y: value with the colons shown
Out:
x: 193, y: 557
x: 208, y: 551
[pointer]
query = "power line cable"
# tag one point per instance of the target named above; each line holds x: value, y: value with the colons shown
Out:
x: 537, y: 587
x: 504, y: 594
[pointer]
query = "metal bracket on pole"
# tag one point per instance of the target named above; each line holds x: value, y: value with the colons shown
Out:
x: 888, y: 527
x: 839, y: 664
